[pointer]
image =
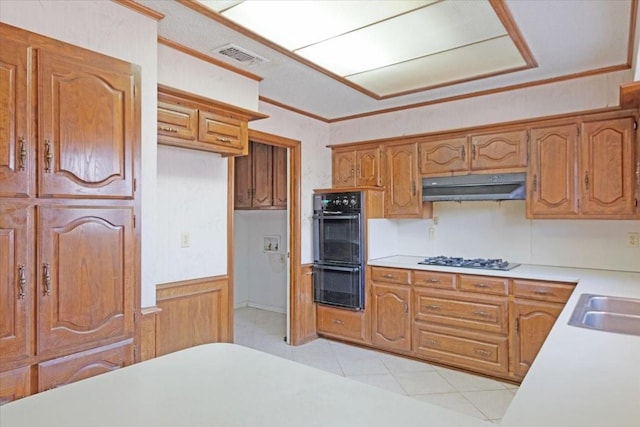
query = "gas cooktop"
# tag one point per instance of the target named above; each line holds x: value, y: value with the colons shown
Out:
x: 487, y: 264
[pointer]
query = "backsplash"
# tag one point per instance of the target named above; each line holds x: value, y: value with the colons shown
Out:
x: 501, y: 230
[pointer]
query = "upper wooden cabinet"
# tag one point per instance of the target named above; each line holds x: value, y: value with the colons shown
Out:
x: 583, y: 170
x: 261, y: 178
x: 191, y: 121
x: 356, y: 167
x: 504, y: 151
x: 403, y: 195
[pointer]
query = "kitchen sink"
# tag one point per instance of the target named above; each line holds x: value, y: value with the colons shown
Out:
x: 607, y: 313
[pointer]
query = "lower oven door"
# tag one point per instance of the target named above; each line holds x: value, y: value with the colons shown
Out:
x: 339, y: 285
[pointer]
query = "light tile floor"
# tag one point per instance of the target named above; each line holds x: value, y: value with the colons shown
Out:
x: 470, y: 394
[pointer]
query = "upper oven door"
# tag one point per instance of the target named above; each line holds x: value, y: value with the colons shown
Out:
x: 338, y: 238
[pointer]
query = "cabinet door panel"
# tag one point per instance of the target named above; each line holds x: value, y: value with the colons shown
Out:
x: 391, y: 318
x: 15, y: 384
x: 176, y: 121
x: 76, y: 367
x: 404, y: 191
x: 551, y: 181
x: 343, y: 168
x: 85, y: 276
x: 607, y: 167
x: 242, y: 183
x: 280, y: 194
x: 262, y: 167
x: 225, y: 134
x: 531, y: 324
x: 368, y: 167
x: 87, y: 129
x: 16, y: 282
x: 442, y: 157
x: 16, y: 153
x: 507, y: 150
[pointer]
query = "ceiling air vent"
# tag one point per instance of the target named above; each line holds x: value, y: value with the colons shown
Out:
x: 239, y: 54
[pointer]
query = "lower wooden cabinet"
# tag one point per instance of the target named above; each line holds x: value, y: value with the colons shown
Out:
x: 15, y: 384
x: 343, y: 324
x: 477, y: 351
x: 391, y: 318
x: 79, y: 366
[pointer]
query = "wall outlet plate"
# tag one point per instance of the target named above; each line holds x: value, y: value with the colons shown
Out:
x: 271, y: 244
x: 633, y: 240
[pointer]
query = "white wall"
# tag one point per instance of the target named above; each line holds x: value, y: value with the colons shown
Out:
x: 500, y: 230
x: 316, y: 159
x: 260, y: 277
x: 117, y: 31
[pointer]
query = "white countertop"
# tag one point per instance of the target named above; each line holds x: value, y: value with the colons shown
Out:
x: 224, y: 385
x: 581, y: 377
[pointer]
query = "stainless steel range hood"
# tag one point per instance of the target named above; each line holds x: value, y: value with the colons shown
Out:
x: 508, y: 186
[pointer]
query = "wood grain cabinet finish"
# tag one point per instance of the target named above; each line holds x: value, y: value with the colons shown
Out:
x: 69, y: 369
x: 85, y: 277
x: 17, y: 146
x: 355, y: 168
x: 584, y: 170
x: 191, y: 121
x: 68, y: 154
x: 343, y: 324
x: 391, y: 318
x: 403, y: 195
x: 503, y: 151
x: 15, y: 384
x: 17, y: 292
x: 261, y: 178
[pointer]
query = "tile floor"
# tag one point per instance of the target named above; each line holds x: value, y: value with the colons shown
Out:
x: 472, y: 395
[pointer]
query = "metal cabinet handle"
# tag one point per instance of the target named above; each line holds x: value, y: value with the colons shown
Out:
x: 220, y: 139
x: 47, y: 278
x: 473, y: 152
x: 168, y: 129
x: 481, y: 313
x: 22, y: 281
x: 433, y: 307
x: 586, y: 180
x: 481, y: 285
x: 541, y: 292
x: 22, y: 157
x: 464, y: 153
x: 48, y: 155
x: 482, y: 352
x: 413, y: 188
x: 433, y: 342
x: 337, y: 321
x: 406, y: 308
x: 388, y: 276
x: 535, y: 182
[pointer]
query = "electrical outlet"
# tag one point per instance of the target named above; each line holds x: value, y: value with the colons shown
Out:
x: 633, y: 240
x: 185, y: 240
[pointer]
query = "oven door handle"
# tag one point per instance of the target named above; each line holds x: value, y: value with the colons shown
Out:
x: 329, y: 215
x: 336, y: 268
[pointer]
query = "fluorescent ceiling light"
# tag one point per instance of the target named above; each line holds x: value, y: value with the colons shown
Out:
x: 385, y: 47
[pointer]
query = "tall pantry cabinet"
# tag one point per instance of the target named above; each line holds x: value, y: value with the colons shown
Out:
x: 69, y: 257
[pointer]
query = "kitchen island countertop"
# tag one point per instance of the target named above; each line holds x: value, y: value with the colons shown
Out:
x: 581, y: 377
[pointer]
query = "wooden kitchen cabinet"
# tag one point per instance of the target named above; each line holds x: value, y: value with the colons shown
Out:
x: 261, y: 178
x: 15, y: 384
x: 390, y: 316
x: 191, y: 121
x: 481, y: 153
x: 403, y: 195
x: 68, y: 248
x: 583, y: 170
x: 343, y: 324
x: 356, y: 167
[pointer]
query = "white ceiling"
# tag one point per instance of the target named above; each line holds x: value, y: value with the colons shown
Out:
x: 565, y: 37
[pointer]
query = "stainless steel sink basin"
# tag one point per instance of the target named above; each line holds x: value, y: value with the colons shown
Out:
x: 607, y: 313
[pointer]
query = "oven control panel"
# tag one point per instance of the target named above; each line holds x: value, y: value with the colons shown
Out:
x: 338, y: 202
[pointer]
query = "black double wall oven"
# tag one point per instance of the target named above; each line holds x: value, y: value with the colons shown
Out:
x: 338, y: 249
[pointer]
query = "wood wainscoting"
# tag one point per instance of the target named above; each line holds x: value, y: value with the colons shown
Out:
x: 192, y: 312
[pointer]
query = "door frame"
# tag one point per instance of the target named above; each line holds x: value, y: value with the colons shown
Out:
x: 294, y: 233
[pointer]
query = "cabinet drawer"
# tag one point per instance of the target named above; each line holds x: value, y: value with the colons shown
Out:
x: 483, y: 284
x: 391, y: 275
x: 224, y: 132
x: 177, y: 121
x: 473, y: 350
x: 434, y: 280
x: 78, y: 366
x: 14, y: 384
x: 481, y: 313
x: 543, y: 291
x: 344, y: 324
